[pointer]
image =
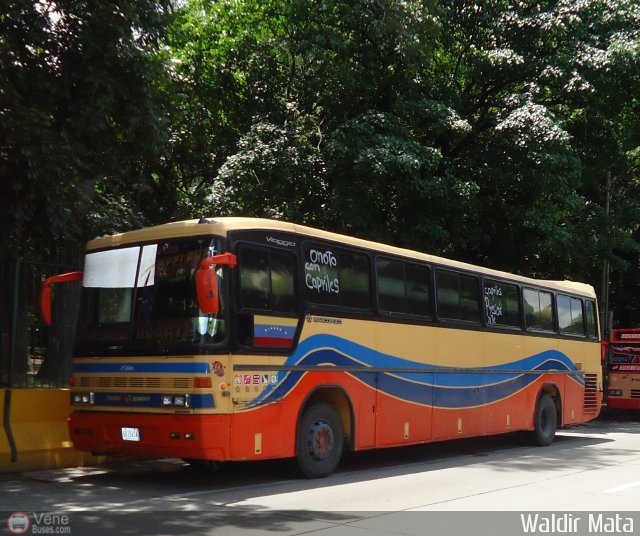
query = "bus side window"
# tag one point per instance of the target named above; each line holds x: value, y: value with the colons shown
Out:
x: 570, y: 318
x: 336, y: 277
x: 403, y: 287
x: 502, y: 304
x: 538, y: 310
x: 590, y: 308
x: 355, y: 288
x: 267, y: 287
x: 267, y: 280
x: 255, y: 278
x: 417, y: 283
x: 458, y: 296
x: 391, y: 287
x: 283, y: 298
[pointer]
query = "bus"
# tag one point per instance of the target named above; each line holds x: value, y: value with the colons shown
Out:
x: 623, y: 369
x: 229, y: 339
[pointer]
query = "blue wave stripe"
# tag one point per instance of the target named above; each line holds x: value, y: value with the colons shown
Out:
x: 372, y: 358
x: 126, y: 368
x: 433, y: 388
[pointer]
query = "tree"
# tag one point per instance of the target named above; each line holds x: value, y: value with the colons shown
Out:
x: 278, y: 81
x: 77, y: 106
x: 525, y: 76
x: 483, y: 131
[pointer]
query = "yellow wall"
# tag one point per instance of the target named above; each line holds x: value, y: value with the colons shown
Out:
x: 5, y: 450
x: 38, y: 423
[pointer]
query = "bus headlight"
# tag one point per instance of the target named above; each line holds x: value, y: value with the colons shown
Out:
x: 181, y: 401
x: 83, y: 398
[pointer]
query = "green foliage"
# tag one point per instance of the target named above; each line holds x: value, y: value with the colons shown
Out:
x: 524, y: 75
x: 381, y: 175
x: 482, y: 131
x: 277, y: 172
x: 503, y: 133
x: 77, y: 106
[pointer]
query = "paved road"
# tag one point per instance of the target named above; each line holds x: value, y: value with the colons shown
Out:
x: 594, y: 467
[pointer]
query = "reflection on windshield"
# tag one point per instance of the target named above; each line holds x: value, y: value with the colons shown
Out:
x: 142, y: 300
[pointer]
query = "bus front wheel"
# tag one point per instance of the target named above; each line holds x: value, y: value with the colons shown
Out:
x: 320, y: 440
x: 545, y: 421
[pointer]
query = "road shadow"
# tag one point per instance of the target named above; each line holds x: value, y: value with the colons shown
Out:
x: 159, y: 477
x: 622, y: 420
x: 236, y: 521
x: 171, y: 485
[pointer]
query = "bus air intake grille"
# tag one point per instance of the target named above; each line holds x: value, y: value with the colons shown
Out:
x: 590, y: 393
x: 105, y: 381
x: 134, y: 382
x: 182, y: 383
x: 635, y: 393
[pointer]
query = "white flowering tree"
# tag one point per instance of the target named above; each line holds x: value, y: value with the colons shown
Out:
x: 548, y: 89
x: 492, y: 131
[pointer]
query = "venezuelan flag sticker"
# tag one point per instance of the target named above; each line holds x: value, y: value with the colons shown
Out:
x: 274, y: 331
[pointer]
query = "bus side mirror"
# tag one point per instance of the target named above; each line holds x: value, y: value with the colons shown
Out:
x: 207, y: 288
x: 45, y: 292
x: 207, y: 281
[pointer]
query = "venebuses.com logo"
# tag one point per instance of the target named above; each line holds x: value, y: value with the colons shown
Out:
x: 18, y: 523
x: 38, y: 523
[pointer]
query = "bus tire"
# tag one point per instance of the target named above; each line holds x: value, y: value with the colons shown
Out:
x: 320, y: 440
x: 545, y: 421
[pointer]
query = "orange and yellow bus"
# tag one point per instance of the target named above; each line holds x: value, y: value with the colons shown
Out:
x: 623, y: 369
x: 245, y: 339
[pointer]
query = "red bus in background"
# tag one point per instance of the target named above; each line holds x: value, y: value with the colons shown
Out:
x: 623, y: 369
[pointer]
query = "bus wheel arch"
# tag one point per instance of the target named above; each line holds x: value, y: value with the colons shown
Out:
x: 324, y: 428
x: 547, y: 416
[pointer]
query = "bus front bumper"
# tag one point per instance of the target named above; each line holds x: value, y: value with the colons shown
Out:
x: 181, y: 436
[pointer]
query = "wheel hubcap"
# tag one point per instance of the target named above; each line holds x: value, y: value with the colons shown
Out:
x: 320, y: 440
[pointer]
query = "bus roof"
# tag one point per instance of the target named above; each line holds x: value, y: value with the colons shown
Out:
x: 221, y: 226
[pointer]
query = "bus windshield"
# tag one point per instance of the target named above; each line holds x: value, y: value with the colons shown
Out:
x: 141, y: 300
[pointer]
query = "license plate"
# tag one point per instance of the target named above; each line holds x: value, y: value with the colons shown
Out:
x: 130, y: 434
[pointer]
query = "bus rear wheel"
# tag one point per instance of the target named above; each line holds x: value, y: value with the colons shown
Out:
x: 320, y: 441
x: 545, y: 421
